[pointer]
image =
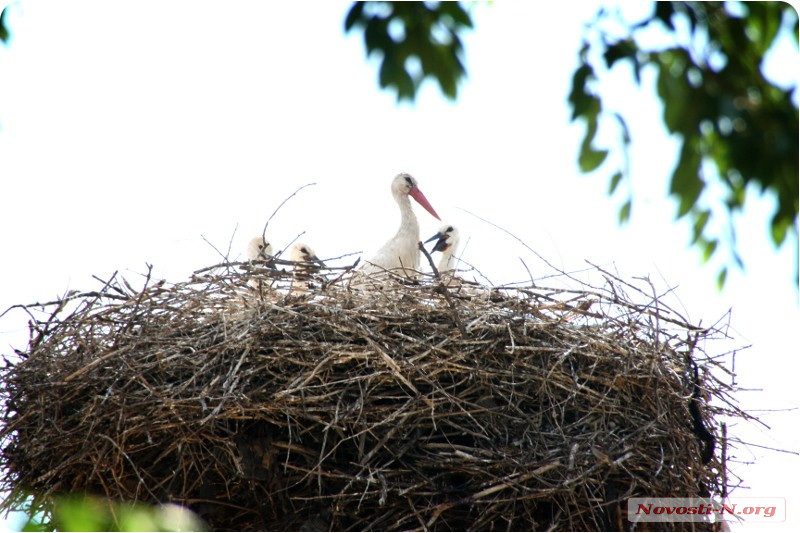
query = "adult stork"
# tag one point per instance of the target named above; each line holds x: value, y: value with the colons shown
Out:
x: 401, y: 251
x: 447, y: 240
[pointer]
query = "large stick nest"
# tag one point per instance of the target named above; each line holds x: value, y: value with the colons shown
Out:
x: 398, y: 406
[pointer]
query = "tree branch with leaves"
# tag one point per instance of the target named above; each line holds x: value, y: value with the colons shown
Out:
x: 736, y: 128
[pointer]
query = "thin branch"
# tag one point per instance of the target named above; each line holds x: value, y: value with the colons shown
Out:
x: 264, y: 232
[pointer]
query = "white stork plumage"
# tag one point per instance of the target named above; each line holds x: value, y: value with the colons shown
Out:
x: 447, y: 240
x: 259, y: 249
x: 303, y: 253
x: 401, y: 251
x: 307, y: 263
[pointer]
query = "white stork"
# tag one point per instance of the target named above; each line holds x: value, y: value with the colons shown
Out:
x: 401, y: 251
x: 259, y: 249
x: 303, y: 253
x: 306, y: 263
x: 446, y: 242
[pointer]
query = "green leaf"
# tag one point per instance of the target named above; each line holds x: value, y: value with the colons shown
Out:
x: 622, y: 49
x: 136, y: 518
x: 354, y: 15
x: 664, y: 11
x: 625, y: 212
x: 580, y: 99
x: 3, y: 28
x: 778, y: 229
x: 82, y: 514
x: 614, y: 182
x: 709, y: 247
x: 721, y: 277
x: 376, y: 35
x: 591, y: 158
x: 456, y: 12
x: 686, y: 183
x: 700, y: 224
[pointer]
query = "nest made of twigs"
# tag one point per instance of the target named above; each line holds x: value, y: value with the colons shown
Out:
x: 423, y: 405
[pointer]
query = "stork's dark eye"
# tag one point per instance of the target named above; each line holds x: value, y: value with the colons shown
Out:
x: 449, y: 229
x: 260, y: 246
x: 304, y: 250
x: 409, y: 181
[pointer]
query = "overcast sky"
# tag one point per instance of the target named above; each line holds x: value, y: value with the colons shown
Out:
x: 129, y: 132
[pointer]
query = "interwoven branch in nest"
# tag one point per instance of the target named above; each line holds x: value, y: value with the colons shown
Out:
x: 434, y: 404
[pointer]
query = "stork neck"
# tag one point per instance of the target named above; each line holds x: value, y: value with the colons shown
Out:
x: 408, y: 220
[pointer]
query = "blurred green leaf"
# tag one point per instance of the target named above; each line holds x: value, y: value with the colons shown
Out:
x: 591, y: 158
x: 137, y: 518
x: 709, y: 247
x: 721, y: 277
x: 431, y: 34
x: 731, y: 122
x: 664, y: 11
x: 625, y: 212
x: 90, y: 513
x: 614, y: 182
x: 81, y: 514
x: 580, y: 99
x: 699, y: 225
x: 3, y: 28
x: 356, y: 12
x: 456, y: 12
x: 778, y: 229
x: 624, y: 49
x: 686, y: 183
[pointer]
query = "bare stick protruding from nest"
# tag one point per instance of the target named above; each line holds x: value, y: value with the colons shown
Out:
x: 264, y: 232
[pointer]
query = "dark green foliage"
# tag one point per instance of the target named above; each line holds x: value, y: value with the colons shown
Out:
x: 587, y: 105
x: 734, y: 125
x: 3, y: 30
x: 423, y: 32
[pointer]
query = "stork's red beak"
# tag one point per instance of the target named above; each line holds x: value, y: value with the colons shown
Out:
x: 417, y: 195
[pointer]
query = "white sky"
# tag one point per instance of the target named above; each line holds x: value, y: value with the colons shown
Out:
x: 128, y: 130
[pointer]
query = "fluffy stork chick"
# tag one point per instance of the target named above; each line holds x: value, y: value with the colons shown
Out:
x: 259, y: 249
x: 303, y: 253
x: 306, y: 264
x: 401, y: 251
x: 447, y: 240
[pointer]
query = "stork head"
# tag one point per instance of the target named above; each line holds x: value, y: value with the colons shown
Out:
x: 446, y: 239
x: 303, y: 253
x: 405, y: 184
x: 259, y: 248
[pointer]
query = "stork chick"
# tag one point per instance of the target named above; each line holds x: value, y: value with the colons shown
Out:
x: 447, y: 240
x: 306, y: 264
x: 303, y: 253
x: 259, y: 249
